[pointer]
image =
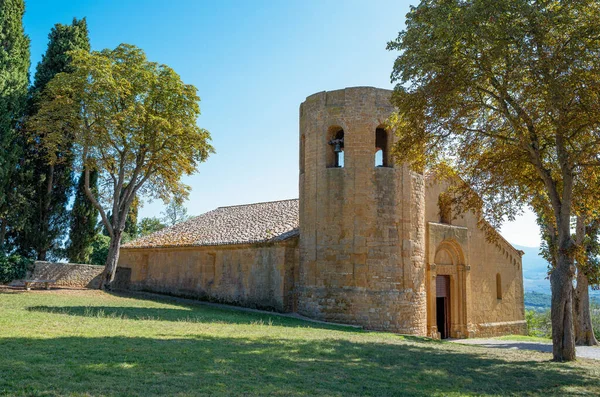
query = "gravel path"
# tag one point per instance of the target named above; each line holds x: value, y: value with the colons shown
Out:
x: 582, y: 351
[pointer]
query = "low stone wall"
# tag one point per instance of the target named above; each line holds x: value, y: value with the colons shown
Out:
x: 487, y: 330
x: 66, y: 274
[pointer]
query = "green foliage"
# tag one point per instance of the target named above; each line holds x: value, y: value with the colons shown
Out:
x: 589, y: 263
x: 473, y: 92
x: 150, y: 225
x: 14, y: 79
x: 539, y: 323
x: 61, y: 40
x: 51, y: 185
x: 99, y: 253
x: 131, y: 227
x: 13, y: 267
x: 595, y: 312
x: 133, y: 121
x: 84, y: 220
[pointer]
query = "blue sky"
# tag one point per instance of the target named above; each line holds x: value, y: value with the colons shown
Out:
x: 253, y: 63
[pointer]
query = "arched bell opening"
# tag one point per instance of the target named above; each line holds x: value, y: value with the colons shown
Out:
x: 335, y: 150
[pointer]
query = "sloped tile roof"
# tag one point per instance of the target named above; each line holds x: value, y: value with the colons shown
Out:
x: 239, y: 224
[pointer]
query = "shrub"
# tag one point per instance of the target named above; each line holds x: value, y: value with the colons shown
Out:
x: 595, y: 311
x: 13, y: 267
x: 539, y: 323
x: 100, y: 246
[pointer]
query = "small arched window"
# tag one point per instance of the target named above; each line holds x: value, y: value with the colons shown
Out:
x: 335, y: 150
x: 382, y: 149
x: 445, y: 206
x: 498, y: 286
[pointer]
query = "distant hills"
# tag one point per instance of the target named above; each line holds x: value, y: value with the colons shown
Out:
x: 535, y: 273
x: 535, y: 270
x: 540, y: 302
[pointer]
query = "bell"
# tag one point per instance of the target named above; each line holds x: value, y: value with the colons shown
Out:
x: 338, y: 147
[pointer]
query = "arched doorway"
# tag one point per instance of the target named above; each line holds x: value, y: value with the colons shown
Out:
x: 447, y: 305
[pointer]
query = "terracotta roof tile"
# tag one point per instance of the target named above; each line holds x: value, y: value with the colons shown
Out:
x: 239, y: 224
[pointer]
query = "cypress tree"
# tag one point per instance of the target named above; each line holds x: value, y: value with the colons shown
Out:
x: 84, y: 223
x: 51, y: 185
x: 14, y: 79
x: 131, y: 227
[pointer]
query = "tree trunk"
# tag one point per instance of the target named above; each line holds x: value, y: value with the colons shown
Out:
x: 563, y: 337
x: 584, y: 332
x: 42, y: 249
x: 108, y: 275
x: 41, y: 256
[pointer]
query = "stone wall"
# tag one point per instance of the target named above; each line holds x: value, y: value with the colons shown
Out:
x: 251, y: 275
x: 361, y: 226
x: 67, y: 274
x: 486, y: 330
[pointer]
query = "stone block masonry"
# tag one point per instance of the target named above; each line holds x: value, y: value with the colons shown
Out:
x: 361, y: 225
x: 70, y: 275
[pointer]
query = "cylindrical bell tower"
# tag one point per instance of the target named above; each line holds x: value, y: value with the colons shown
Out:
x: 362, y: 223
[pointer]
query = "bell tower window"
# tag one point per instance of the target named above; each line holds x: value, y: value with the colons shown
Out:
x: 382, y: 149
x: 335, y: 143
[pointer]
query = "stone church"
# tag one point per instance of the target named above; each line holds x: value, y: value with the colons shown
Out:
x: 366, y: 243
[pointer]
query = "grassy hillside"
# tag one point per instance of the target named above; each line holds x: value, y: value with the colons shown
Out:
x: 89, y: 343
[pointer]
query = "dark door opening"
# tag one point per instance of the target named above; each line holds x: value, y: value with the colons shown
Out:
x: 443, y: 305
x: 441, y: 317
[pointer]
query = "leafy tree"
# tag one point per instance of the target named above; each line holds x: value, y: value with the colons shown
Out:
x: 175, y: 212
x: 503, y: 93
x: 47, y: 216
x: 14, y: 79
x: 84, y: 221
x: 133, y: 121
x: 149, y: 225
x: 100, y: 246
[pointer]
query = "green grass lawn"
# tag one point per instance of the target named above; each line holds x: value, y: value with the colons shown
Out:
x: 525, y: 338
x: 92, y: 343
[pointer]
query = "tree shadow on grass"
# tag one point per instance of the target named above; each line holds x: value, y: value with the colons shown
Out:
x: 213, y: 365
x: 193, y: 314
